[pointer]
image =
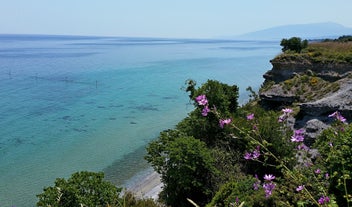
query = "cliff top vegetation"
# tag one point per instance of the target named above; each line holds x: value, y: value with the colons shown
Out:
x: 325, y: 51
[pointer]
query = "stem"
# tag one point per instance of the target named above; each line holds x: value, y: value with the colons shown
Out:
x: 345, y: 185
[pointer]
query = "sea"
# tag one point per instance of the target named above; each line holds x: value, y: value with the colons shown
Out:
x: 80, y: 103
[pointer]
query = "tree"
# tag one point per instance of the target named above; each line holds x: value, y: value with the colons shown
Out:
x: 221, y: 96
x: 185, y: 165
x: 81, y: 189
x: 293, y: 44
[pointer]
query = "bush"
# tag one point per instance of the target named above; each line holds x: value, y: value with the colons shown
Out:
x: 82, y: 188
x: 335, y: 147
x: 186, y: 167
x: 293, y: 44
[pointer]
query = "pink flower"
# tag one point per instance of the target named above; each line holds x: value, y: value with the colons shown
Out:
x: 300, y: 188
x: 338, y: 116
x: 254, y: 155
x: 287, y: 110
x: 248, y: 156
x: 205, y: 111
x: 269, y: 177
x: 317, y: 171
x: 250, y: 116
x: 297, y: 136
x: 327, y: 176
x: 268, y: 188
x: 223, y: 122
x: 324, y: 199
x: 202, y: 100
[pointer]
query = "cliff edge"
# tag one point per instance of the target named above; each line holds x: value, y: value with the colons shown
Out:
x: 317, y: 85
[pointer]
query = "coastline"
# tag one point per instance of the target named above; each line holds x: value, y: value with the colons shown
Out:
x: 147, y: 186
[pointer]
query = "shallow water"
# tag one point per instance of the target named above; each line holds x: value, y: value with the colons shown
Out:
x: 89, y: 103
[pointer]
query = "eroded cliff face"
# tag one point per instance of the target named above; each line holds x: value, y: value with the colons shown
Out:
x: 286, y: 68
x: 317, y: 89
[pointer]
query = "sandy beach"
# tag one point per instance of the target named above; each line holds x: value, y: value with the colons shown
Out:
x: 148, y: 187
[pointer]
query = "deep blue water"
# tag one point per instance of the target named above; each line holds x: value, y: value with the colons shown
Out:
x: 93, y: 103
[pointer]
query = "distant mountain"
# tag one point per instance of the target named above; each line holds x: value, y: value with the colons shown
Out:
x: 305, y: 31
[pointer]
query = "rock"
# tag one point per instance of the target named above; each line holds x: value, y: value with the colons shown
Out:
x: 313, y: 115
x: 277, y: 96
x: 287, y: 68
x: 339, y: 101
x: 313, y: 128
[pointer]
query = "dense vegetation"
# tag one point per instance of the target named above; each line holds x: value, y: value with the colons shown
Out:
x: 327, y: 51
x: 224, y: 154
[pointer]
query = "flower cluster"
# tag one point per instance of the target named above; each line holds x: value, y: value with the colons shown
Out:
x: 253, y: 155
x: 269, y: 185
x: 323, y: 200
x: 203, y: 101
x: 297, y: 136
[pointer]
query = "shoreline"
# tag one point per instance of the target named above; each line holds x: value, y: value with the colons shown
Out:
x: 147, y: 186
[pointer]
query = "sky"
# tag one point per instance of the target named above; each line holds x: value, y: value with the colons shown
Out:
x: 165, y: 18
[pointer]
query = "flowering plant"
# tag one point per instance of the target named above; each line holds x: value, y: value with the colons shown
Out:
x: 307, y: 164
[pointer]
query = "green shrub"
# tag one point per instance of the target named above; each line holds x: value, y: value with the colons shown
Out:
x: 82, y: 188
x: 335, y: 147
x: 294, y: 44
x: 186, y: 167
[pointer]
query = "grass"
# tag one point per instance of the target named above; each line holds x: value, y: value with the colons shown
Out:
x: 322, y: 52
x: 308, y: 88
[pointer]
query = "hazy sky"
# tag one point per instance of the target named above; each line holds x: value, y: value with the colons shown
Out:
x: 165, y: 18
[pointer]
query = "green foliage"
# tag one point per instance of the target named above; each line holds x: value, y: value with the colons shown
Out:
x: 220, y: 95
x: 82, y: 188
x: 185, y: 165
x: 338, y: 51
x: 129, y: 200
x: 308, y: 88
x: 294, y: 44
x: 335, y: 147
x: 235, y: 192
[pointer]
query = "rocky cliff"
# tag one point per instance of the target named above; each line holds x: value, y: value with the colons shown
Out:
x: 317, y: 89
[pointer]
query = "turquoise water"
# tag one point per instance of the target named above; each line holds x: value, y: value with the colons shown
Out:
x: 91, y: 103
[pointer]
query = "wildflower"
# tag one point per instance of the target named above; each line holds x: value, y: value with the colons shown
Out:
x: 250, y: 116
x: 324, y: 199
x: 268, y: 188
x: 202, y: 100
x: 254, y: 155
x: 338, y: 116
x: 287, y: 111
x: 297, y: 136
x: 300, y: 188
x: 269, y: 177
x: 205, y: 110
x: 257, y: 183
x: 282, y: 118
x: 317, y: 171
x: 248, y: 156
x: 222, y: 122
x: 327, y: 176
